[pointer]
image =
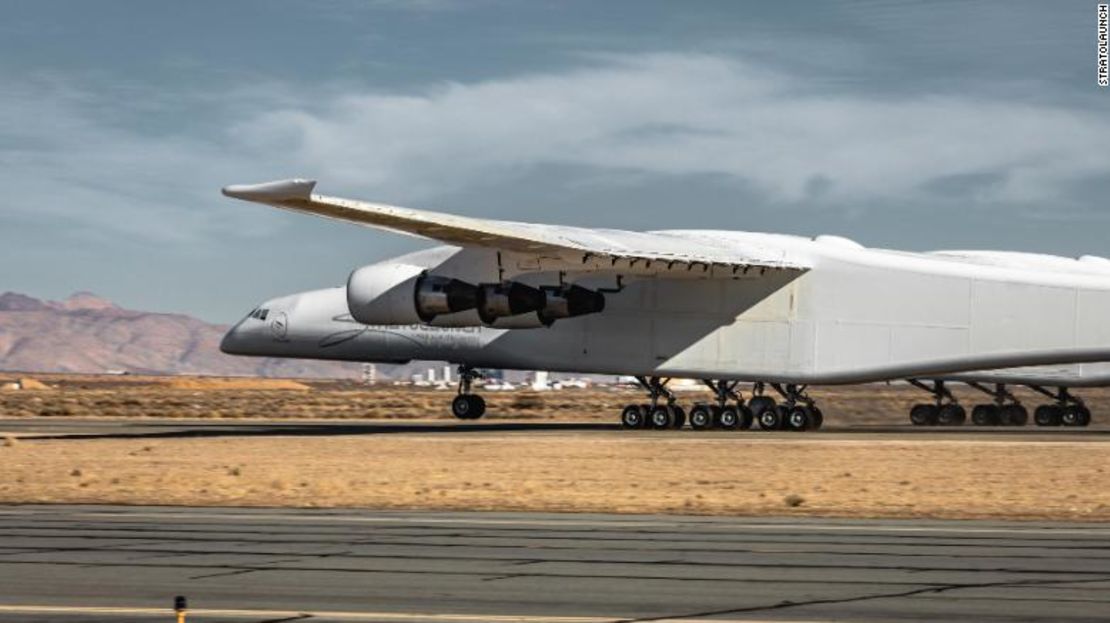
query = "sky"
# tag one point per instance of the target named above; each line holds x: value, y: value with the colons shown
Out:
x: 909, y: 125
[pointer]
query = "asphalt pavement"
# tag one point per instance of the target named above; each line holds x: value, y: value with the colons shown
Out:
x: 170, y: 428
x: 104, y: 563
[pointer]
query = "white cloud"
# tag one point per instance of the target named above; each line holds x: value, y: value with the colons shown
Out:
x: 684, y: 114
x: 655, y: 114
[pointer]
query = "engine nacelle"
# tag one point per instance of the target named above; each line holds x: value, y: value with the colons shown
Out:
x: 568, y: 302
x: 399, y: 294
x: 498, y: 300
x: 437, y: 295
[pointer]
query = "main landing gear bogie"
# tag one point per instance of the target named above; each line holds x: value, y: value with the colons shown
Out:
x: 798, y: 412
x: 1066, y: 410
x: 730, y: 412
x: 1004, y: 410
x: 943, y: 411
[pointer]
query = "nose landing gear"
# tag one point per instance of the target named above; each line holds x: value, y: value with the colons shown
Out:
x: 468, y: 406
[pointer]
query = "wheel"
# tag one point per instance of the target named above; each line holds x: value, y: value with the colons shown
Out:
x: 745, y: 417
x: 818, y: 418
x: 984, y: 415
x: 1075, y: 415
x: 479, y: 406
x: 923, y: 415
x: 770, y: 419
x: 951, y: 414
x: 632, y: 417
x: 679, y: 417
x: 701, y: 417
x: 759, y: 404
x: 1047, y: 415
x: 728, y: 418
x: 1013, y: 415
x: 468, y: 407
x: 661, y: 416
x: 799, y: 418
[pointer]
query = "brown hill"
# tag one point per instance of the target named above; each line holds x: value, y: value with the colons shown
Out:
x: 86, y: 333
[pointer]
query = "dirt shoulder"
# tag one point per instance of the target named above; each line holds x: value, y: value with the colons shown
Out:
x: 576, y: 471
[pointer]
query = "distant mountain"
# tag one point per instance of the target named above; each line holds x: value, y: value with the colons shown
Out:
x: 87, y: 333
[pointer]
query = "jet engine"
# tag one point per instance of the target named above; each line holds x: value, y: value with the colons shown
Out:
x: 568, y: 302
x: 398, y: 294
x: 497, y: 300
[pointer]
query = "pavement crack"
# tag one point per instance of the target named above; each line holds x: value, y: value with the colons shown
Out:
x: 224, y: 574
x: 935, y: 589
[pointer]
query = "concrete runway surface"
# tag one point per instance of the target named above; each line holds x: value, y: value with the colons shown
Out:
x: 101, y: 563
x: 171, y: 428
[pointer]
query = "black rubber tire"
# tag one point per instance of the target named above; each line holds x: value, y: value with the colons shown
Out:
x: 1047, y: 415
x: 464, y: 407
x: 679, y: 417
x: 984, y: 415
x: 479, y: 408
x: 1075, y: 415
x: 632, y: 416
x: 818, y: 419
x: 746, y: 418
x: 923, y: 414
x: 951, y: 414
x: 701, y: 417
x: 661, y: 417
x: 799, y: 418
x: 759, y: 404
x: 1013, y: 415
x: 728, y: 418
x: 770, y: 419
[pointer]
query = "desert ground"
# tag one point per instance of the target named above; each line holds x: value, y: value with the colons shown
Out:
x: 847, y: 470
x: 127, y: 396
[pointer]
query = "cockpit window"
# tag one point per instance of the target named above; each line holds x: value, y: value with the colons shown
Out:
x: 260, y: 313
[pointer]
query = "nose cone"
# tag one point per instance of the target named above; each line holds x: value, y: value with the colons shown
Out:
x: 234, y: 342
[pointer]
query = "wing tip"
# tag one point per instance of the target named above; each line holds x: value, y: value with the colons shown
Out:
x: 281, y: 190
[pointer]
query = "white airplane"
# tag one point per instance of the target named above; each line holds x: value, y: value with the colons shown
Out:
x: 782, y: 312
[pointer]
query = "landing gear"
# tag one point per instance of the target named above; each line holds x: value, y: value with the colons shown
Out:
x: 1068, y: 409
x: 797, y: 413
x: 654, y: 415
x: 728, y: 410
x: 723, y: 415
x: 944, y: 411
x: 702, y: 416
x: 666, y: 416
x: 728, y: 413
x: 467, y: 406
x: 1005, y: 411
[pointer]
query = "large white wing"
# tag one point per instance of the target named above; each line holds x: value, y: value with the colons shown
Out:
x: 598, y: 247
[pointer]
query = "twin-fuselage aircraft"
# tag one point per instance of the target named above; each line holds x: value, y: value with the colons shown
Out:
x: 779, y: 312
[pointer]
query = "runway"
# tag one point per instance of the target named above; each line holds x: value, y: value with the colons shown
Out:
x: 170, y: 428
x: 99, y: 563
